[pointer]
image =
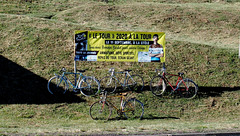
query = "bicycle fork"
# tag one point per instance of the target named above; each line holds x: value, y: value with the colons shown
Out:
x: 110, y: 81
x: 103, y: 102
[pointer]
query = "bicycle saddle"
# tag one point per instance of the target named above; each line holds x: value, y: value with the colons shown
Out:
x: 81, y: 71
x: 124, y: 94
x: 180, y: 73
x: 127, y: 70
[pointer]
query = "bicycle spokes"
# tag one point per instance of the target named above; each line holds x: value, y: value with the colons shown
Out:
x: 133, y: 109
x: 100, y: 111
x: 57, y: 85
x: 89, y: 86
x: 158, y: 86
x: 108, y: 84
x: 188, y: 89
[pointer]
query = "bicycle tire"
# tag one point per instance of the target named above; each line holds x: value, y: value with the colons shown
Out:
x: 57, y: 85
x: 158, y: 86
x: 135, y: 83
x: 108, y: 84
x: 189, y: 93
x: 133, y: 109
x: 89, y: 86
x: 98, y: 111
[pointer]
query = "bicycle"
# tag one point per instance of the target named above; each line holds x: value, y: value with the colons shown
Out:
x: 87, y: 85
x: 102, y: 109
x: 184, y: 86
x: 133, y: 82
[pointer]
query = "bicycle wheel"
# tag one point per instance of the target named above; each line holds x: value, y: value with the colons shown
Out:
x: 57, y: 85
x: 100, y: 111
x: 187, y: 88
x: 158, y: 86
x: 108, y: 84
x: 133, y: 109
x: 89, y: 86
x: 135, y: 83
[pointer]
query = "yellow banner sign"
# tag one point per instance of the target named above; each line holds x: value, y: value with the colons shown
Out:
x: 120, y: 46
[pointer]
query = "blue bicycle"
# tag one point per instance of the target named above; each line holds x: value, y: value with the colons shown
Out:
x: 87, y: 85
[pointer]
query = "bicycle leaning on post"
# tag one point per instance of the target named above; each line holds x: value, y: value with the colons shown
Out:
x: 133, y: 82
x: 87, y: 85
x: 130, y: 107
x: 184, y: 86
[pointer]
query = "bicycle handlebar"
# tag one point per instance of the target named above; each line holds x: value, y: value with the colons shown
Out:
x: 63, y: 70
x: 112, y: 70
x: 104, y: 95
x: 161, y: 70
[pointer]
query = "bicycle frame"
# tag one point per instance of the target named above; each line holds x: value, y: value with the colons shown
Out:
x: 178, y: 80
x: 63, y: 77
x: 160, y: 85
x: 124, y: 84
x: 119, y: 110
x: 130, y: 107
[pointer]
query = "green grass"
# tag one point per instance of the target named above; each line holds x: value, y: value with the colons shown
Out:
x: 168, y: 116
x: 202, y: 41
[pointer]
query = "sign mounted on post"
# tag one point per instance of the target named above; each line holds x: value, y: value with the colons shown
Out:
x: 120, y: 46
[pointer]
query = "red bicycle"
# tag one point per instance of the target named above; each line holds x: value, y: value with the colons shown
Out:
x: 184, y: 86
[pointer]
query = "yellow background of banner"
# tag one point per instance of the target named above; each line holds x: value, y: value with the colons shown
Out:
x: 117, y: 51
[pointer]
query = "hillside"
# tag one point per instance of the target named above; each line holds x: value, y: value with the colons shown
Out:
x: 41, y: 40
x: 36, y: 40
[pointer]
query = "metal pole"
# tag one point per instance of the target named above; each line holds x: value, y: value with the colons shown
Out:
x: 75, y: 71
x: 164, y: 68
x: 75, y: 67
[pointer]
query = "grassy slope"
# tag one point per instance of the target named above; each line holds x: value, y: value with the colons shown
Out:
x: 202, y: 40
x: 215, y: 24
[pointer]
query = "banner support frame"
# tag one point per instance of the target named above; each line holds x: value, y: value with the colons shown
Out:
x: 75, y: 71
x: 164, y: 66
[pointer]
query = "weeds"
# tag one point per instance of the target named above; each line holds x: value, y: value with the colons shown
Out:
x: 37, y: 40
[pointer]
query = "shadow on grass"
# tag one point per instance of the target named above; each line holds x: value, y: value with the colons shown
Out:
x: 154, y: 118
x: 214, y: 91
x: 21, y: 86
x: 144, y: 118
x: 204, y: 92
